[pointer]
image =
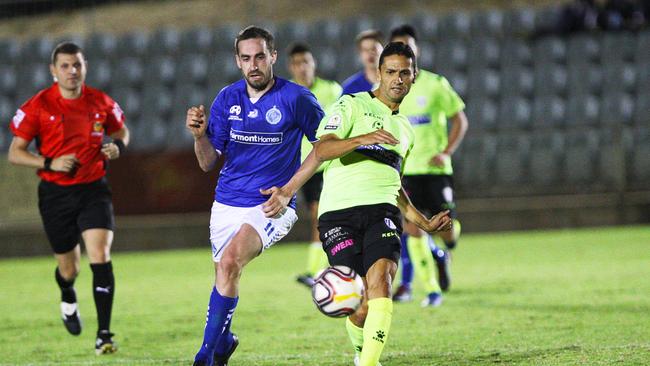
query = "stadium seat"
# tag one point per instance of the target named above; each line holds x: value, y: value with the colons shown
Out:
x: 550, y: 50
x: 458, y: 81
x: 617, y: 47
x: 130, y: 101
x: 583, y: 48
x: 519, y: 22
x: 162, y: 69
x: 585, y: 79
x: 451, y: 55
x: 619, y: 78
x: 549, y: 111
x: 165, y: 41
x: 178, y: 137
x: 641, y: 108
x: 617, y: 108
x: 642, y: 75
x: 484, y: 52
x: 490, y: 22
x: 426, y: 59
x: 638, y: 158
x: 483, y: 83
x: 550, y: 79
x: 427, y: 26
x: 391, y: 21
x: 292, y: 31
x: 326, y: 61
x: 515, y: 52
x: 99, y: 74
x: 127, y: 72
x: 158, y: 102
x: 512, y: 157
x: 100, y: 45
x: 7, y: 110
x: 547, y: 17
x: 580, y: 157
x: 354, y: 25
x: 33, y: 77
x: 583, y: 109
x: 348, y: 63
x: 197, y: 40
x: 611, y: 158
x: 150, y: 133
x: 482, y: 114
x: 8, y: 80
x: 187, y: 95
x: 517, y: 81
x: 456, y: 25
x: 642, y: 56
x: 37, y: 50
x: 194, y: 68
x: 326, y: 32
x: 546, y: 158
x: 514, y: 113
x: 476, y: 167
x: 9, y: 51
x: 133, y: 44
x: 224, y: 36
x: 222, y: 69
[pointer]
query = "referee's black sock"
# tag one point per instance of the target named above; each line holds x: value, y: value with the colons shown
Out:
x: 103, y: 290
x: 67, y: 288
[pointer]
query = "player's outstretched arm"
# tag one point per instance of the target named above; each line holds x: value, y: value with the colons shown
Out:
x: 196, y: 123
x: 281, y: 196
x: 439, y: 222
x: 19, y: 155
x: 332, y: 147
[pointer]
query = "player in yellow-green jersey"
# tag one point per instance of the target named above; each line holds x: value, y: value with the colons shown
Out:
x: 302, y: 67
x: 428, y: 172
x: 364, y: 142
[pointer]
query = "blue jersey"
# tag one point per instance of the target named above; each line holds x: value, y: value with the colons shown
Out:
x: 356, y: 83
x: 261, y: 140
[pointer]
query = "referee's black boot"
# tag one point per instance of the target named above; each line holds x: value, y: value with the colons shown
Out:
x: 70, y: 316
x: 222, y: 360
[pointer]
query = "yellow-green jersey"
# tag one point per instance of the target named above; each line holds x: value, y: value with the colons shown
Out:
x: 371, y: 173
x: 427, y: 106
x: 326, y: 93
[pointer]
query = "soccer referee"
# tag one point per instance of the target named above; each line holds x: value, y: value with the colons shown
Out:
x: 69, y: 121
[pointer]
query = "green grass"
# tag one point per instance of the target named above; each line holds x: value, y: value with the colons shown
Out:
x: 572, y: 297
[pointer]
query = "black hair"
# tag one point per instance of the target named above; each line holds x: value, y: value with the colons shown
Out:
x: 398, y: 48
x: 404, y: 30
x: 373, y: 34
x: 67, y: 48
x: 297, y: 47
x: 252, y: 32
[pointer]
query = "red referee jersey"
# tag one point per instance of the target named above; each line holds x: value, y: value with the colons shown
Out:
x: 69, y: 126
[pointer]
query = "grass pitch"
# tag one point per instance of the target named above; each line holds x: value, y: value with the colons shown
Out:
x: 570, y: 297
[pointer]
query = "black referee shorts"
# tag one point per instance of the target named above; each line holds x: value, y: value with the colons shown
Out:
x: 431, y: 193
x: 67, y: 211
x: 359, y: 236
x: 312, y: 188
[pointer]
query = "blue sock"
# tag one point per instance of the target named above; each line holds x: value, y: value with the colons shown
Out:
x: 220, y: 310
x: 407, y: 266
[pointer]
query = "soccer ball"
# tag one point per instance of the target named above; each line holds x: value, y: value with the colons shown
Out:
x: 337, y: 291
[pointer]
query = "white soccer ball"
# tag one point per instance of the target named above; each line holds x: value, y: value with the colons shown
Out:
x: 337, y: 291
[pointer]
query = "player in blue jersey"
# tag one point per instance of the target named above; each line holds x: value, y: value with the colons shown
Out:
x: 257, y: 125
x: 369, y: 46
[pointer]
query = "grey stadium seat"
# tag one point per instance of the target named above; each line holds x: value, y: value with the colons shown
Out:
x: 511, y: 163
x: 292, y: 31
x: 158, y: 102
x: 455, y: 25
x: 37, y: 50
x: 482, y: 114
x: 326, y: 32
x: 130, y: 101
x: 476, y: 167
x: 99, y: 74
x: 483, y: 83
x: 222, y: 69
x: 426, y: 59
x: 165, y: 41
x: 354, y: 25
x: 427, y: 25
x: 484, y: 52
x: 585, y: 79
x: 7, y: 110
x: 583, y: 109
x: 611, y: 158
x: 617, y: 108
x: 133, y: 44
x: 546, y: 158
x: 641, y: 108
x: 100, y: 45
x: 550, y: 50
x: 193, y: 67
x: 517, y: 81
x: 519, y: 21
x: 9, y: 51
x: 580, y: 157
x: 162, y: 70
x: 150, y: 133
x: 8, y: 80
x: 583, y: 48
x: 549, y: 112
x: 490, y: 22
x: 451, y: 55
x: 515, y: 113
x: 617, y: 47
x: 550, y: 79
x: 326, y: 62
x: 638, y: 157
x: 515, y: 52
x: 620, y: 78
x: 127, y: 72
x: 642, y: 53
x: 33, y: 77
x: 390, y: 21
x: 197, y: 40
x: 224, y: 36
x: 458, y: 81
x: 187, y: 95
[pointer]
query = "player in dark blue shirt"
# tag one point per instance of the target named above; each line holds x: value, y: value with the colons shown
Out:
x: 257, y: 125
x: 369, y: 46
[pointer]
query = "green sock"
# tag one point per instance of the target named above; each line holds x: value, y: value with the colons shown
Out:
x: 316, y: 258
x: 423, y: 264
x: 375, y: 330
x: 356, y: 335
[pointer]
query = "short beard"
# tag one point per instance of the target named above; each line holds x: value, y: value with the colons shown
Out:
x: 261, y: 85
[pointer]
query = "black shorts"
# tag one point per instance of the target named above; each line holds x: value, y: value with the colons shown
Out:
x: 312, y: 188
x: 67, y: 211
x: 359, y: 236
x: 431, y: 193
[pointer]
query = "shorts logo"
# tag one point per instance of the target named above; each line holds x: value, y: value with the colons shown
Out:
x: 333, y: 123
x: 273, y: 116
x: 256, y: 138
x: 253, y: 114
x: 18, y: 118
x: 390, y: 223
x: 342, y: 245
x: 448, y: 194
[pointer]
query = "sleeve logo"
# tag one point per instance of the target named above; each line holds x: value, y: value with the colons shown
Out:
x: 117, y: 112
x: 18, y: 118
x: 333, y: 123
